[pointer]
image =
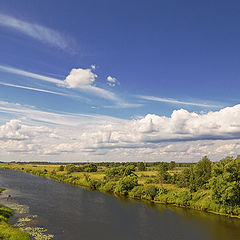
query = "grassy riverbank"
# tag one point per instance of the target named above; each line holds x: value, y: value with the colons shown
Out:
x: 7, y: 232
x: 206, y: 186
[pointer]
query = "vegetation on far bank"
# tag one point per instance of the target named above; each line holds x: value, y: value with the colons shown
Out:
x: 7, y: 232
x: 208, y: 186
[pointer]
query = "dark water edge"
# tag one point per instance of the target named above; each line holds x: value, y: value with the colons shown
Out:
x: 74, y: 213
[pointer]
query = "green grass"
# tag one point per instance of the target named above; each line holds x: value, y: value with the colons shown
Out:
x: 7, y: 232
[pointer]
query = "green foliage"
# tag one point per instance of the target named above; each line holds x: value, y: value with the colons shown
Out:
x: 90, y: 168
x: 137, y: 192
x: 172, y: 165
x: 150, y: 180
x: 5, y: 212
x: 225, y: 183
x: 144, y: 192
x: 130, y: 169
x: 184, y: 178
x: 163, y: 175
x: 70, y: 168
x: 202, y: 172
x: 126, y: 184
x: 115, y: 173
x: 109, y: 187
x: 94, y: 184
x: 197, y: 176
x: 150, y: 191
x: 61, y: 168
x: 141, y: 166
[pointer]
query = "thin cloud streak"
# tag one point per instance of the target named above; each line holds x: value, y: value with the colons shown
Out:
x: 36, y: 31
x: 174, y: 101
x: 33, y: 89
x: 55, y: 118
x: 30, y: 74
x: 93, y: 90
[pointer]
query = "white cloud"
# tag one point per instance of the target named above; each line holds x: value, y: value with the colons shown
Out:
x: 33, y: 115
x: 15, y: 130
x: 30, y: 74
x: 111, y: 81
x: 12, y: 130
x: 83, y: 79
x: 80, y: 78
x: 34, y: 89
x: 93, y: 67
x: 36, y: 31
x: 177, y: 102
x: 185, y: 136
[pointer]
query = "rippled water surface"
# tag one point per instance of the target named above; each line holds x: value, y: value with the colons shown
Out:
x: 74, y: 213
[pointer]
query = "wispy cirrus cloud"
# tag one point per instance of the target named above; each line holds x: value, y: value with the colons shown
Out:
x: 29, y: 74
x: 33, y: 89
x: 81, y: 79
x: 78, y: 78
x: 176, y: 102
x: 36, y: 31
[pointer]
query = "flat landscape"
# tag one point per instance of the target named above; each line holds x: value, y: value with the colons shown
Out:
x: 207, y: 186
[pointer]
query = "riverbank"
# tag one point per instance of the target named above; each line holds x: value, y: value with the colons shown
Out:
x: 7, y: 232
x: 141, y: 185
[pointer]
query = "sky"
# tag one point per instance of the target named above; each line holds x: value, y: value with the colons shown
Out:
x: 119, y: 80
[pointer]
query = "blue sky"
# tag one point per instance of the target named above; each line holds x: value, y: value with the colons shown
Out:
x: 115, y: 66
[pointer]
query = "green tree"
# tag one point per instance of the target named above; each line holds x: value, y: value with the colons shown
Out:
x: 141, y: 166
x: 150, y: 191
x: 172, y: 165
x: 126, y: 184
x: 184, y: 179
x: 202, y: 172
x: 162, y: 174
x: 70, y: 168
x: 61, y: 168
x: 92, y: 167
x: 130, y: 169
x: 225, y: 183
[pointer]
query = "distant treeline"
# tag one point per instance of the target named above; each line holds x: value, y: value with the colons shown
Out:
x: 106, y: 164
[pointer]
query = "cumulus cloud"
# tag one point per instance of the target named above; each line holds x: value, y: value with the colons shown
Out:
x: 80, y: 78
x: 183, y: 136
x: 15, y: 130
x: 36, y: 31
x: 83, y: 79
x: 111, y: 81
x: 12, y: 130
x: 184, y: 125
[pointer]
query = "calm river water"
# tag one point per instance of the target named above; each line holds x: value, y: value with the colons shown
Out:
x: 74, y: 213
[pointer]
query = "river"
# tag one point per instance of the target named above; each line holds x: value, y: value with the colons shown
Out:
x: 74, y: 213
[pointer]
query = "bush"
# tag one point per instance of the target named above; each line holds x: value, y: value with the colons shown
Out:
x: 137, y: 192
x: 109, y: 187
x: 126, y: 184
x: 150, y: 192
